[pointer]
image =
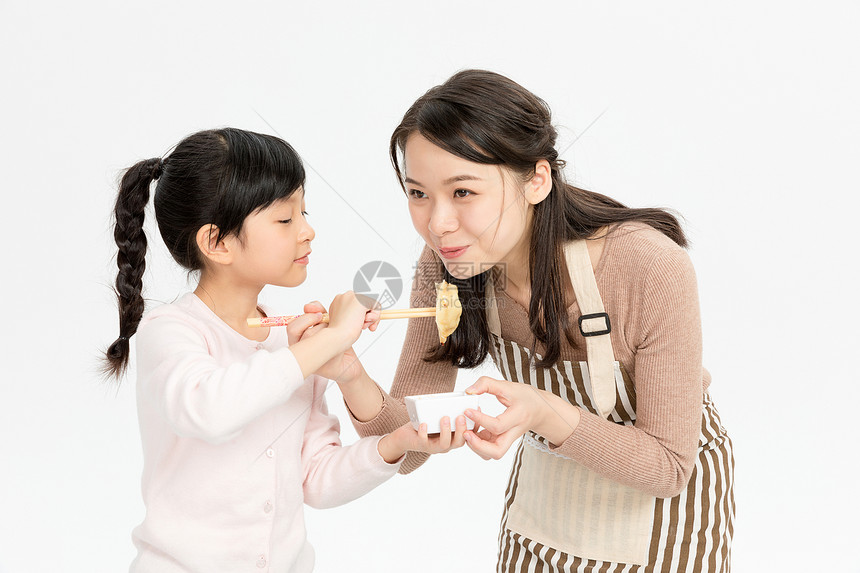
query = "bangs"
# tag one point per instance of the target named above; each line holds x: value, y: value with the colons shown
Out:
x: 259, y: 170
x: 448, y: 125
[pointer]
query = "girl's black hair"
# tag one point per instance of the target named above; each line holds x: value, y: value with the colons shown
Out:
x: 487, y: 118
x: 215, y: 177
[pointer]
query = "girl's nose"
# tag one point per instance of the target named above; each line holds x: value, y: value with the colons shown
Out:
x: 307, y: 233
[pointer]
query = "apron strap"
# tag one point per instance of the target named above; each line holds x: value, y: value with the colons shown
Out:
x: 594, y: 326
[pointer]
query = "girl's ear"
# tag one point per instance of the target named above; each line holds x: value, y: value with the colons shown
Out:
x: 211, y: 248
x: 540, y: 184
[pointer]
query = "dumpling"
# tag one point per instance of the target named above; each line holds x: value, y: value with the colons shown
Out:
x: 448, y: 310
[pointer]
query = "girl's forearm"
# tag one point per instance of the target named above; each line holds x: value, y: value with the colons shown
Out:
x: 362, y: 397
x: 312, y: 352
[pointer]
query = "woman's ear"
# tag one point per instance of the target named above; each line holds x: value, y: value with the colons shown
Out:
x: 540, y: 184
x: 211, y: 248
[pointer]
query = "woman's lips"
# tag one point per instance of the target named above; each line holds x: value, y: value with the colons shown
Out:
x: 303, y: 260
x: 452, y: 252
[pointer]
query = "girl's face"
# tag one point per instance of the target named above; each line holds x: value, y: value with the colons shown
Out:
x: 275, y: 244
x: 473, y: 215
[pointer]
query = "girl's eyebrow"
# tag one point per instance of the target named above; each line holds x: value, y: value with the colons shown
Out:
x: 448, y: 181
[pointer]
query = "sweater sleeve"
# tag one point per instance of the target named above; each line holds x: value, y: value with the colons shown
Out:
x: 336, y: 474
x: 413, y: 374
x: 657, y: 453
x: 196, y: 395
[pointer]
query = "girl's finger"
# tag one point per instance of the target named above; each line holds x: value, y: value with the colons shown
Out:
x: 373, y: 314
x: 298, y: 327
x: 314, y: 306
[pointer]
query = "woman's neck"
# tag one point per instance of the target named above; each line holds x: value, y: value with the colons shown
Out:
x: 517, y: 280
x: 232, y: 303
x: 515, y: 273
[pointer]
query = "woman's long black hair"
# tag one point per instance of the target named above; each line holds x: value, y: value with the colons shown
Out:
x: 487, y: 118
x: 215, y: 177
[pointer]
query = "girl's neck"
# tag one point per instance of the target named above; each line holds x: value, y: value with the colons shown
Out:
x: 232, y: 303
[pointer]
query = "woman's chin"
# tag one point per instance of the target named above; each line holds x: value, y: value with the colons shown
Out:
x: 463, y: 270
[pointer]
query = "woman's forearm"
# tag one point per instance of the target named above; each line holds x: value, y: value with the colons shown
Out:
x: 558, y: 420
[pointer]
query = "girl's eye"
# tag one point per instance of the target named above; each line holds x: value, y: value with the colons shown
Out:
x: 416, y: 194
x: 462, y: 193
x: 286, y: 221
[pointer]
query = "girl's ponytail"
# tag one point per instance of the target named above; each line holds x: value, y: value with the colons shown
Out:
x: 130, y: 260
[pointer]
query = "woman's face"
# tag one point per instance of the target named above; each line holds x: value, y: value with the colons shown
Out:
x: 473, y: 215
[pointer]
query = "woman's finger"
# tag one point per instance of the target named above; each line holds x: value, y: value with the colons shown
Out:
x: 478, y: 445
x: 487, y: 385
x: 494, y: 448
x: 495, y: 425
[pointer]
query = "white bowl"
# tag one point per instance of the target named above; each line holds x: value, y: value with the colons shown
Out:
x: 431, y: 408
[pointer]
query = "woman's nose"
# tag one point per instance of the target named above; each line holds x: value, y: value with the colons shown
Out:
x: 443, y: 219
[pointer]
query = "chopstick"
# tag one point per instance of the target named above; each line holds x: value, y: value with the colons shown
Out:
x: 383, y: 315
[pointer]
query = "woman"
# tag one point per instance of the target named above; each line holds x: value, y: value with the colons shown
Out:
x: 590, y: 311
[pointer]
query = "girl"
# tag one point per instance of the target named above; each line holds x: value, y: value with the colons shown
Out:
x: 590, y: 311
x: 235, y: 430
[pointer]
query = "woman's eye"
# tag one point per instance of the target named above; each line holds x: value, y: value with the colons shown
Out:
x: 286, y: 221
x: 416, y: 193
x: 305, y: 213
x: 462, y: 193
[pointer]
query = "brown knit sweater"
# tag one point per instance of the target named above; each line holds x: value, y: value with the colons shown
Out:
x: 648, y: 287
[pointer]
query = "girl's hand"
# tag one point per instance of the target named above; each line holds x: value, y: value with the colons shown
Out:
x: 405, y: 438
x: 350, y: 315
x: 303, y: 325
x: 342, y: 368
x: 527, y: 408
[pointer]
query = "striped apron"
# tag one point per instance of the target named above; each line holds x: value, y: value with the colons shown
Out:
x: 561, y: 516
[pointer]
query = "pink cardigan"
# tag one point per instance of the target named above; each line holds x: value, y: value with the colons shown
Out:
x: 235, y: 441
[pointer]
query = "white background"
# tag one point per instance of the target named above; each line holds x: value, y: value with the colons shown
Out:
x: 743, y: 116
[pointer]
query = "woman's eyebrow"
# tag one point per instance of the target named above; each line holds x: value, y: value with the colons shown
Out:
x: 448, y: 181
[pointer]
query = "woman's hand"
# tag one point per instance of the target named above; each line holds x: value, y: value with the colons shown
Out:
x: 527, y: 408
x: 406, y: 438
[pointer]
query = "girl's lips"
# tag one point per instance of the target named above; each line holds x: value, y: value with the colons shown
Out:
x: 452, y: 252
x: 303, y: 261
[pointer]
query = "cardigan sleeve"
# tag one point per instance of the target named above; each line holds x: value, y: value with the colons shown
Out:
x: 657, y: 453
x: 413, y: 374
x: 336, y: 474
x: 196, y: 395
